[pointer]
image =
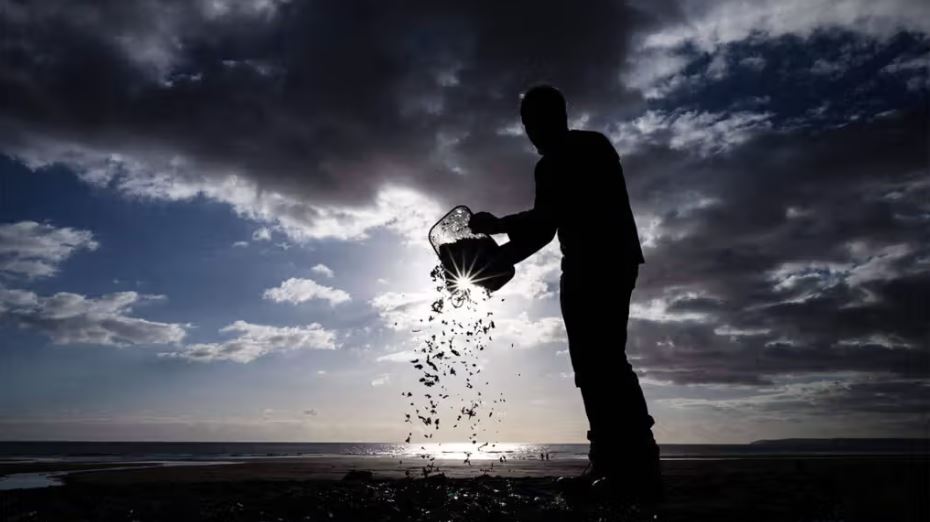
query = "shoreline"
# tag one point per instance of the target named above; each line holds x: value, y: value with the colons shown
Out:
x: 335, y: 467
x: 328, y: 467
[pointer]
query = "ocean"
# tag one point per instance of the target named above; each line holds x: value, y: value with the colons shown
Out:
x: 73, y: 451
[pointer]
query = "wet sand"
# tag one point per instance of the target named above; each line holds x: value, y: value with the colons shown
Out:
x: 789, y: 489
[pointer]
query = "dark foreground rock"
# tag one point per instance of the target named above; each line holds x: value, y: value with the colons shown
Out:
x: 838, y: 489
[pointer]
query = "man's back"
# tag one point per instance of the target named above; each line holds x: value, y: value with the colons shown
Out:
x: 581, y: 185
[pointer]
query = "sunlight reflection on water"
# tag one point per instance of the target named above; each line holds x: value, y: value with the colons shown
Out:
x: 464, y: 450
x: 30, y: 480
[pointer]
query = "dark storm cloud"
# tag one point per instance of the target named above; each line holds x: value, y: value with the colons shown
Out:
x: 895, y: 405
x: 328, y: 99
x: 802, y: 249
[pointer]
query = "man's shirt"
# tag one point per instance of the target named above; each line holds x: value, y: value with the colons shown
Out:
x: 581, y: 194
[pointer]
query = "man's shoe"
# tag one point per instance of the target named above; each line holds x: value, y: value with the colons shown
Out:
x: 638, y: 483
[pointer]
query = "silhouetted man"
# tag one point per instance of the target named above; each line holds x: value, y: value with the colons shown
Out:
x: 581, y: 194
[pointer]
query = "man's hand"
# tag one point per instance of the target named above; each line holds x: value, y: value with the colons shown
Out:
x: 485, y: 223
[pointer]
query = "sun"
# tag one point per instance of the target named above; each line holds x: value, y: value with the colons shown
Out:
x: 466, y: 277
x: 464, y: 283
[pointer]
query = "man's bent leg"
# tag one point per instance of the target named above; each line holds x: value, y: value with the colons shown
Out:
x: 620, y: 425
x: 620, y: 435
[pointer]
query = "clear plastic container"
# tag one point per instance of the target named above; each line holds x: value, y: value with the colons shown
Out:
x: 466, y: 257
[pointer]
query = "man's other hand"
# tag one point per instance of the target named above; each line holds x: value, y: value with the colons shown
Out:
x: 485, y: 223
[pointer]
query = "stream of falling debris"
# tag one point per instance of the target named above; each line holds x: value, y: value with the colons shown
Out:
x: 452, y: 394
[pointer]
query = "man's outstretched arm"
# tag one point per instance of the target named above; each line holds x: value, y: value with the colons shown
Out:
x: 529, y: 231
x: 525, y: 242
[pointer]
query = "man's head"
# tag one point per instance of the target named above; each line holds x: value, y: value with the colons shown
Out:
x: 544, y: 117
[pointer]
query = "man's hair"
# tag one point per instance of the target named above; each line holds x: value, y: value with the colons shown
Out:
x: 543, y: 99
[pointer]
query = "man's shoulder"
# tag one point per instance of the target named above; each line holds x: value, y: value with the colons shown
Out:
x: 580, y: 146
x: 587, y: 136
x: 588, y: 140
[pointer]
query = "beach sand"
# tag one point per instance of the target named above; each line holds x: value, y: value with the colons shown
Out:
x: 313, y: 488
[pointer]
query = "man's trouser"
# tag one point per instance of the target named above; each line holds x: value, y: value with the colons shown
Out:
x: 596, y: 308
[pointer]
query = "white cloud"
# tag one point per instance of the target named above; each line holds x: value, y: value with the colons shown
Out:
x: 254, y: 340
x: 916, y: 67
x: 800, y: 281
x: 323, y: 270
x: 240, y: 8
x: 381, y: 380
x: 657, y: 309
x: 732, y: 332
x: 718, y: 67
x: 514, y: 128
x: 402, y: 356
x: 579, y: 121
x: 902, y: 64
x: 261, y: 234
x: 538, y: 276
x: 296, y: 290
x: 401, y: 311
x: 69, y: 318
x: 527, y: 333
x: 34, y: 250
x: 754, y: 62
x: 655, y: 68
x: 708, y: 25
x: 876, y: 263
x: 404, y: 211
x: 827, y: 68
x: 164, y: 175
x: 702, y: 133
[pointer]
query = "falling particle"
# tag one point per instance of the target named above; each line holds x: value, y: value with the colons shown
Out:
x: 462, y: 331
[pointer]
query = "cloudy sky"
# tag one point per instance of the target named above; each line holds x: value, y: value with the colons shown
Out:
x: 213, y: 213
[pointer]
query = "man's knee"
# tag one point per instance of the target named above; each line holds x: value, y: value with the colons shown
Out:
x: 608, y: 374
